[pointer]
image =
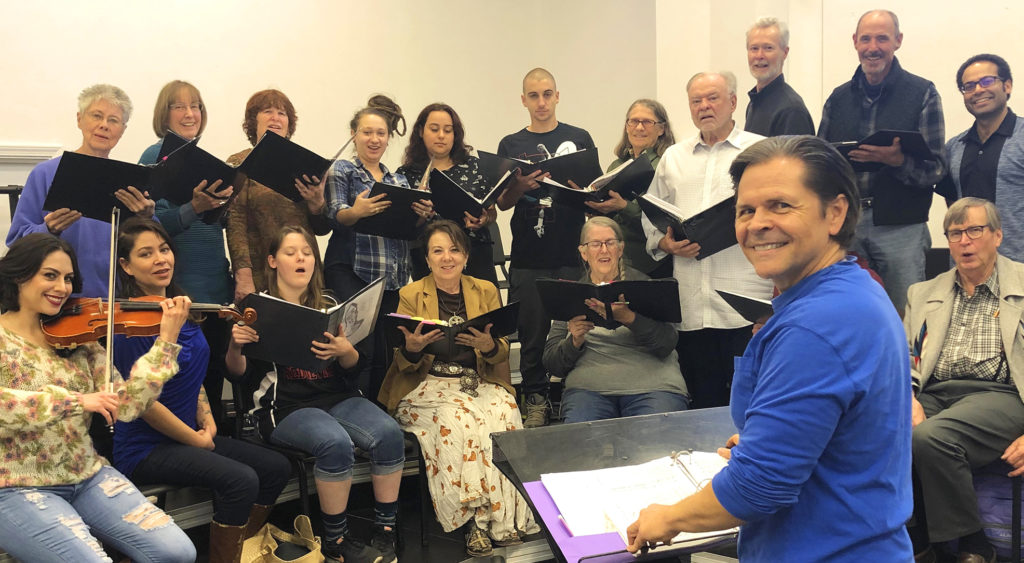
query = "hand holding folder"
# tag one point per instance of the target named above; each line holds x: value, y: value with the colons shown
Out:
x: 712, y: 229
x: 92, y: 186
x: 869, y: 154
x: 387, y: 211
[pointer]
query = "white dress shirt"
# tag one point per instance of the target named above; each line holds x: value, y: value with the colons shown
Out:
x: 694, y: 176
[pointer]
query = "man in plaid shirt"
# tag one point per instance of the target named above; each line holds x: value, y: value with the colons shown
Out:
x: 965, y: 329
x: 896, y: 188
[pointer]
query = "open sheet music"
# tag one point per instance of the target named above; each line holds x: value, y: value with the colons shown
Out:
x: 609, y: 500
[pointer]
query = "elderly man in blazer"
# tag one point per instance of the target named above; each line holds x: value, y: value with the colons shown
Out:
x: 965, y: 329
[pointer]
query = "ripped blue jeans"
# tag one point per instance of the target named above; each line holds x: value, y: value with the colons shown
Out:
x: 63, y: 523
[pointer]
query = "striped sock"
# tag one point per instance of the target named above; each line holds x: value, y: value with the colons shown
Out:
x: 385, y: 513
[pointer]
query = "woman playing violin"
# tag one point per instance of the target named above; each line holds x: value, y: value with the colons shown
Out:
x: 58, y: 497
x: 175, y: 440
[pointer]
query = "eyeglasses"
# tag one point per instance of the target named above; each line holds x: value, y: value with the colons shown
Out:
x: 612, y: 244
x: 984, y: 82
x: 196, y: 108
x: 956, y: 235
x: 647, y: 123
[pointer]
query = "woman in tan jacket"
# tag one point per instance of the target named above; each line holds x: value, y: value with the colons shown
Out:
x: 452, y: 404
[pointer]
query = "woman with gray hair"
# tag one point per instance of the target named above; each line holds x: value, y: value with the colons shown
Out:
x: 647, y: 133
x: 103, y: 113
x: 594, y: 360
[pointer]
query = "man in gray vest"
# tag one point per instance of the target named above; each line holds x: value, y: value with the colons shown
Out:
x: 892, y: 234
x: 775, y: 108
x: 987, y: 160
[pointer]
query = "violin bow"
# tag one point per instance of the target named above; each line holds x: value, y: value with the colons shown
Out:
x: 115, y: 219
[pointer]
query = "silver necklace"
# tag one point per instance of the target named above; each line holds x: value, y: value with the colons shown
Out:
x: 454, y: 319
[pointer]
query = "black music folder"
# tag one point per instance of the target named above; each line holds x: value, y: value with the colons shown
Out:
x: 751, y: 308
x: 398, y: 221
x: 187, y: 166
x: 911, y: 142
x: 452, y: 201
x: 629, y: 180
x: 277, y: 162
x: 713, y: 229
x: 287, y: 330
x: 87, y: 184
x: 504, y: 321
x: 582, y: 167
x: 655, y: 299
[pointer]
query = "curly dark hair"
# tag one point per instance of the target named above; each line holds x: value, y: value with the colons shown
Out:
x: 416, y: 153
x: 23, y: 260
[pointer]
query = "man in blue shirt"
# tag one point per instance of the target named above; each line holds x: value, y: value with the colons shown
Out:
x: 820, y: 469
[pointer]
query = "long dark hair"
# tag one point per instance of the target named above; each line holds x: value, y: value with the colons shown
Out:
x: 23, y: 260
x: 314, y: 295
x: 129, y: 232
x: 416, y: 155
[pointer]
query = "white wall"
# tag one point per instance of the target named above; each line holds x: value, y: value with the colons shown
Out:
x: 328, y: 57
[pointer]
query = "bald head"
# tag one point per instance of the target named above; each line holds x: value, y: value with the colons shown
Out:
x: 537, y: 75
x: 891, y: 16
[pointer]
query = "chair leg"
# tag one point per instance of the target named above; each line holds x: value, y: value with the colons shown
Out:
x: 426, y: 506
x: 303, y: 486
x: 1015, y: 524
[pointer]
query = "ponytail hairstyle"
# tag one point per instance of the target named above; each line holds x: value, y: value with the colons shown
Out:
x: 385, y: 108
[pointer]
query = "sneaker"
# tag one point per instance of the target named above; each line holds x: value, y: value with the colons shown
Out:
x: 537, y: 410
x: 477, y: 542
x: 350, y: 550
x: 384, y: 541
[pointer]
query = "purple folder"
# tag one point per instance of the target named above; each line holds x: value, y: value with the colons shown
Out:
x: 574, y: 547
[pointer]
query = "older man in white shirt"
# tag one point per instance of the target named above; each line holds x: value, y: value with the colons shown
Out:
x: 693, y: 175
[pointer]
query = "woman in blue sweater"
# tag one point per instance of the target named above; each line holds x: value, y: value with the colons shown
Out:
x: 175, y: 441
x: 206, y: 273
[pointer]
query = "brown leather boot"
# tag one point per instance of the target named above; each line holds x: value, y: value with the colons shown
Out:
x: 257, y: 518
x: 225, y: 543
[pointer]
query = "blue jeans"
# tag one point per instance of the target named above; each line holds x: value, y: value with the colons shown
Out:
x: 331, y: 435
x: 580, y: 405
x: 62, y: 523
x: 896, y: 252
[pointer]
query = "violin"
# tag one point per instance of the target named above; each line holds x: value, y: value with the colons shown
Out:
x: 84, y: 320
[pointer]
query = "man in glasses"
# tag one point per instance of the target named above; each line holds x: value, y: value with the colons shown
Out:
x: 966, y: 339
x: 896, y: 195
x: 693, y: 175
x: 987, y: 160
x: 775, y: 108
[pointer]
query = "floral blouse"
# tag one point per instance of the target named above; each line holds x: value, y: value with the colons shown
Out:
x: 44, y: 433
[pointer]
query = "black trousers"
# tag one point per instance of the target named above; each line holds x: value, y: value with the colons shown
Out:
x: 534, y: 322
x: 239, y: 474
x: 706, y: 360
